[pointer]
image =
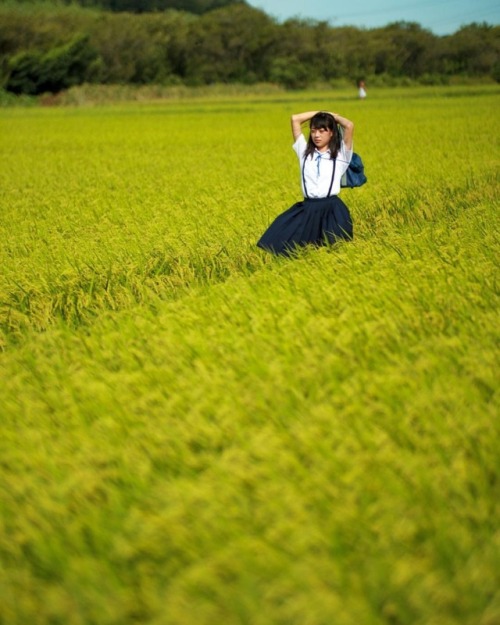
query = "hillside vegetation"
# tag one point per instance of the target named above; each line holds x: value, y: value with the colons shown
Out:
x: 47, y: 47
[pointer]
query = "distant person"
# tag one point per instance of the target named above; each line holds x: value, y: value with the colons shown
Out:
x: 322, y: 217
x: 361, y: 90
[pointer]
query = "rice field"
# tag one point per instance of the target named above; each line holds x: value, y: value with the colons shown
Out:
x: 194, y: 432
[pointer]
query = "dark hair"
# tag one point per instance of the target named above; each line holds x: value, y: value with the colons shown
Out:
x: 326, y: 121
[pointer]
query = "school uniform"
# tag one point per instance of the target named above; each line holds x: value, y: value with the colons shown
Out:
x: 322, y: 217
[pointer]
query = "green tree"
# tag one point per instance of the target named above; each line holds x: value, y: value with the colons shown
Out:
x: 474, y: 50
x: 402, y: 49
x: 290, y: 72
x: 33, y: 73
x: 23, y: 71
x: 140, y: 48
x: 230, y: 44
x: 296, y: 62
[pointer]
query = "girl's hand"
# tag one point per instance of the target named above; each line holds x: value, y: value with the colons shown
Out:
x: 348, y: 128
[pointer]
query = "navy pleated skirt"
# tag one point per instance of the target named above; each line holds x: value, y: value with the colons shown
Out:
x: 322, y: 221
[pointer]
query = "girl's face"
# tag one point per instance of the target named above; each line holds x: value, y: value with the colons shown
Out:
x: 321, y: 138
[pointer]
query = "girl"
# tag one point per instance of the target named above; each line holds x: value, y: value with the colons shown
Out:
x: 322, y: 217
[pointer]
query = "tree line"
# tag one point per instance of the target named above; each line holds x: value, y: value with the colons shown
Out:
x: 142, y: 6
x: 50, y: 47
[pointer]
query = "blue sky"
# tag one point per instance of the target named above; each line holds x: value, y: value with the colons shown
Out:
x: 442, y: 17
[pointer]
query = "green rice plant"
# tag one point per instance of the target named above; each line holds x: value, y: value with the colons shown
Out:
x: 194, y: 431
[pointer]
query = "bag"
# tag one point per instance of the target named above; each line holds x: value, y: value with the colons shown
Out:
x: 355, y: 174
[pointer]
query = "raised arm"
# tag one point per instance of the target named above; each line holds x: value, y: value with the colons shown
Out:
x: 348, y: 128
x: 297, y: 120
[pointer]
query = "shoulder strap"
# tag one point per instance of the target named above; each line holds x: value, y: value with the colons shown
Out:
x: 333, y: 176
x: 304, y: 178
